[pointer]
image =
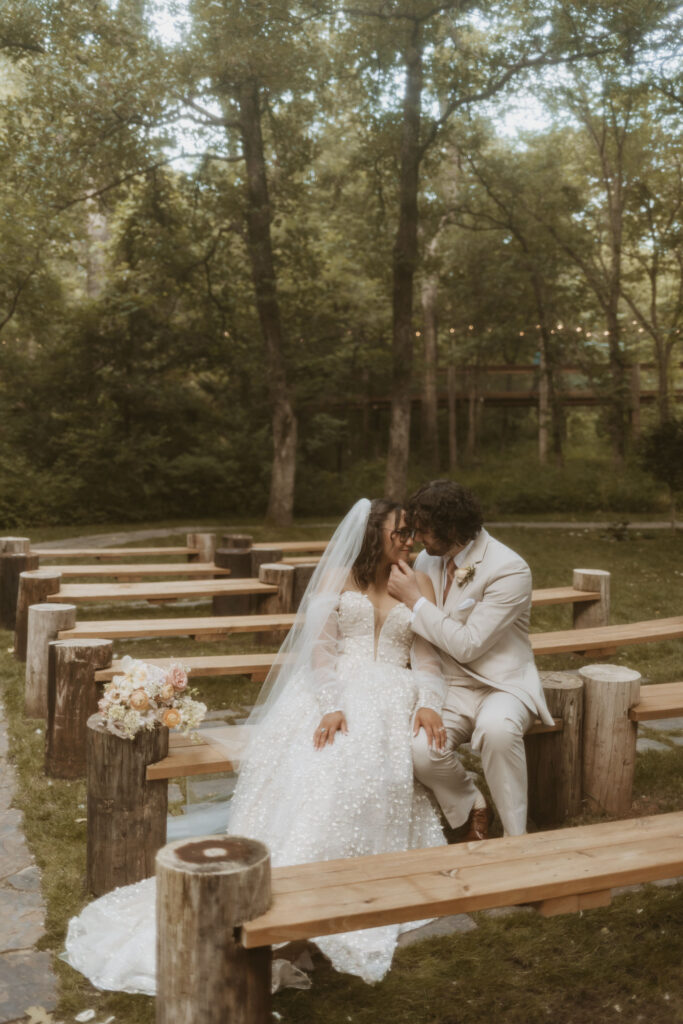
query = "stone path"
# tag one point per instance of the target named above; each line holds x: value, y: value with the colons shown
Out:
x: 26, y: 975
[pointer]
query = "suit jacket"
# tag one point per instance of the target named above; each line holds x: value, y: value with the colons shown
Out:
x: 482, y: 632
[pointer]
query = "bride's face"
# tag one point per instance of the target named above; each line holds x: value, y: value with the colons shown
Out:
x: 397, y: 540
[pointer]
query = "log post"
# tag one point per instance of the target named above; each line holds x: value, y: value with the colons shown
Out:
x: 591, y: 613
x: 237, y: 541
x: 12, y: 564
x: 126, y: 813
x: 238, y: 561
x: 281, y: 576
x: 261, y: 557
x: 15, y: 545
x: 206, y: 888
x: 35, y: 587
x: 72, y: 696
x: 554, y: 758
x: 609, y: 737
x: 205, y: 544
x: 44, y: 623
x: 302, y: 577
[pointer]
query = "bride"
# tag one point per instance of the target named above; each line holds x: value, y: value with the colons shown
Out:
x: 328, y: 773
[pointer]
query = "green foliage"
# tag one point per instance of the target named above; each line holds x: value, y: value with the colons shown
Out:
x: 661, y: 454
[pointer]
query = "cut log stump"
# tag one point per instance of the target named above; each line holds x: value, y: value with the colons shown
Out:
x: 12, y: 565
x: 207, y: 888
x: 609, y: 737
x: 72, y: 696
x: 554, y: 758
x: 35, y: 586
x: 44, y: 623
x: 126, y: 813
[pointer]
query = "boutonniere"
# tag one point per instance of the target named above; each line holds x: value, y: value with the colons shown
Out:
x: 463, y: 575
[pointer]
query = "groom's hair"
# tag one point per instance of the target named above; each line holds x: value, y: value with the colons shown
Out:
x: 449, y: 510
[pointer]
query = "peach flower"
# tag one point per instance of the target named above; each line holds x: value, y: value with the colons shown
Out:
x: 171, y: 718
x: 138, y: 700
x: 166, y: 691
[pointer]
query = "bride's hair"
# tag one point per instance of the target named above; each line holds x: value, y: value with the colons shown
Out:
x: 365, y: 566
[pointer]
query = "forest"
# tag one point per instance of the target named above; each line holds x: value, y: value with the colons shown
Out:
x: 260, y: 257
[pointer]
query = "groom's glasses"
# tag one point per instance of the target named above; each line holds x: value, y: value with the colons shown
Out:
x: 404, y: 534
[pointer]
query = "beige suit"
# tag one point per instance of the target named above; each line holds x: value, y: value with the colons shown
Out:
x: 494, y: 691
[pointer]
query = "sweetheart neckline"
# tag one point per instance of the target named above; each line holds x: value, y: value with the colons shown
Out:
x: 376, y: 633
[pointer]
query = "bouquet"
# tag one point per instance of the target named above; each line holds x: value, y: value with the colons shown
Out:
x: 144, y: 696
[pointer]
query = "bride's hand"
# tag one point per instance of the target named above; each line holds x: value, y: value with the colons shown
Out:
x: 330, y: 724
x: 432, y: 723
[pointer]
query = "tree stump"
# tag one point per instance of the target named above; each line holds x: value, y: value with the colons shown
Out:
x: 205, y: 543
x: 15, y: 545
x: 261, y: 557
x: 126, y: 813
x: 72, y: 696
x: 281, y: 576
x: 609, y: 737
x: 302, y: 577
x: 236, y: 541
x: 12, y: 565
x: 206, y: 888
x: 238, y: 561
x: 554, y: 758
x: 591, y: 613
x: 44, y: 623
x: 34, y: 588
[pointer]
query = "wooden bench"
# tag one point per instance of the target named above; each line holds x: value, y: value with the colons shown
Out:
x: 158, y: 591
x: 107, y: 554
x: 601, y: 641
x: 169, y: 570
x: 662, y: 700
x: 564, y: 870
x: 227, y: 882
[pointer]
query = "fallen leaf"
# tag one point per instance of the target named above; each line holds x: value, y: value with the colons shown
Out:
x: 38, y: 1015
x: 84, y: 1016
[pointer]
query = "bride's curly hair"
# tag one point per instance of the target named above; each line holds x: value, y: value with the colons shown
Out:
x: 365, y: 566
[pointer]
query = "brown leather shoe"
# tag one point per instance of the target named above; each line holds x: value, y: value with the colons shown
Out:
x: 478, y: 824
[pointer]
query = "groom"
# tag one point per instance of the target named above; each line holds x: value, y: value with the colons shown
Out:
x: 480, y: 625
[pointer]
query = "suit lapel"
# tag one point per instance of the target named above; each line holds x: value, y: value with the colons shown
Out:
x: 475, y: 556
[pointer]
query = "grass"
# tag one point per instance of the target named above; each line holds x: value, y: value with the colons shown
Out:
x: 622, y: 963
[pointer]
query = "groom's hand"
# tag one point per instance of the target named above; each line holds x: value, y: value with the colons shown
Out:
x: 432, y: 723
x: 403, y: 585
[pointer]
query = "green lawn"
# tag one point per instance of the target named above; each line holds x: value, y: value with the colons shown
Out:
x: 622, y: 963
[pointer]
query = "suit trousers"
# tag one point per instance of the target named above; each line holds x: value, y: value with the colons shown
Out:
x: 495, y: 722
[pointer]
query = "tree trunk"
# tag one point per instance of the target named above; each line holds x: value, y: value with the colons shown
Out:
x: 452, y: 418
x: 472, y: 401
x: 404, y: 262
x: 281, y: 500
x: 430, y: 396
x: 543, y: 406
x: 635, y: 399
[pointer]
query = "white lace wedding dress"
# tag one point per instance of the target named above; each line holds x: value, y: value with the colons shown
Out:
x: 352, y: 798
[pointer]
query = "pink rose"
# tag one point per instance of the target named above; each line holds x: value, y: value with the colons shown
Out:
x: 177, y: 676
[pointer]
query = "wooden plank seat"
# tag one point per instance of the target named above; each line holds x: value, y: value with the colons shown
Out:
x: 593, y: 640
x: 48, y: 554
x: 199, y: 626
x: 562, y: 870
x: 291, y: 546
x: 658, y: 700
x: 204, y: 756
x: 204, y: 666
x: 606, y: 639
x: 170, y: 570
x: 561, y: 595
x: 164, y: 590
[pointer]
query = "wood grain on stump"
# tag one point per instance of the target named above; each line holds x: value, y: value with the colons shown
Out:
x: 35, y: 586
x: 126, y: 813
x: 12, y: 565
x: 72, y: 696
x: 609, y: 737
x: 554, y: 758
x: 206, y: 888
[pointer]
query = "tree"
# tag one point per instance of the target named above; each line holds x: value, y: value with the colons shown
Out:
x: 661, y: 454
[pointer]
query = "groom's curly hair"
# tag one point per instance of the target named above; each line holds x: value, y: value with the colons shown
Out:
x: 449, y: 510
x: 365, y: 566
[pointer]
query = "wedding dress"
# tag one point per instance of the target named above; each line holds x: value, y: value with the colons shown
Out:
x: 352, y: 798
